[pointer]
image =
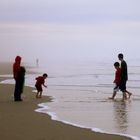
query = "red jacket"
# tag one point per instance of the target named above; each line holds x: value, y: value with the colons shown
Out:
x: 16, y: 67
x: 40, y: 80
x: 117, y: 76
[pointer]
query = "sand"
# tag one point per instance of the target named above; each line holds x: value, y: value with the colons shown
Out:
x: 19, y: 121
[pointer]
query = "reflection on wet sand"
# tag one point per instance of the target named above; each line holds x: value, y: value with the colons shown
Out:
x: 121, y: 115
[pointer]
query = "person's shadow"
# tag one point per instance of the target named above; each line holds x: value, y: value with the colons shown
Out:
x: 121, y: 116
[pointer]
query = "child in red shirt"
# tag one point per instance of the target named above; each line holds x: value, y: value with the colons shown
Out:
x: 117, y: 79
x: 40, y: 80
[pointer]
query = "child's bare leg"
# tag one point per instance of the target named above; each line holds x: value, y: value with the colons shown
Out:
x: 113, y: 96
x: 40, y: 94
x: 37, y: 94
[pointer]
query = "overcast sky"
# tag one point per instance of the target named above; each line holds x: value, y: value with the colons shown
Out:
x: 46, y: 27
x: 69, y: 10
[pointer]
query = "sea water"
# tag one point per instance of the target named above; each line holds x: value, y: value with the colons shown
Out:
x: 80, y: 96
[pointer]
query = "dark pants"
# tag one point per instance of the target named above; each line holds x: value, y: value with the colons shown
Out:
x: 123, y: 85
x: 17, y: 92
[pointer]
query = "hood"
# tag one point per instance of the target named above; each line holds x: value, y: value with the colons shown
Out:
x: 18, y: 59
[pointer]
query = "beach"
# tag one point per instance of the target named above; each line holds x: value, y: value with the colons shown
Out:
x: 19, y: 121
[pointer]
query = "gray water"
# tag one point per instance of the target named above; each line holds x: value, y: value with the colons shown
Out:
x: 80, y: 96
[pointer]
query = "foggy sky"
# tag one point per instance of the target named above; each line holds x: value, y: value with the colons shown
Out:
x: 57, y: 29
x: 68, y: 10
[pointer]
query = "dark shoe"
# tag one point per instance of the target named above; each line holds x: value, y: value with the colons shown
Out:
x: 16, y: 100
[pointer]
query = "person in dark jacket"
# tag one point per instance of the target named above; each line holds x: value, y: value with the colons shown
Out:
x: 124, y: 77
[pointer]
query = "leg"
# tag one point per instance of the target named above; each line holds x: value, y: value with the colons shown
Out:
x: 16, y: 92
x: 37, y: 94
x: 115, y: 90
x: 40, y: 94
x: 129, y: 93
x: 124, y: 95
x: 38, y: 90
x: 113, y: 96
x: 123, y: 88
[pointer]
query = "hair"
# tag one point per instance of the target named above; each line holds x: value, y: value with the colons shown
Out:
x: 45, y: 75
x: 116, y: 64
x: 120, y: 55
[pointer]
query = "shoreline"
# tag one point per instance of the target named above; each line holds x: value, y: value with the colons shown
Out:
x: 94, y: 130
x: 21, y: 121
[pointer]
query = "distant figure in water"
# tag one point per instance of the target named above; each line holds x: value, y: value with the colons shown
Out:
x: 18, y: 74
x: 37, y: 62
x: 124, y: 77
x: 117, y: 79
x: 40, y: 80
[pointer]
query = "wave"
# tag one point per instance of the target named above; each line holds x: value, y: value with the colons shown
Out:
x: 88, y: 86
x: 96, y: 75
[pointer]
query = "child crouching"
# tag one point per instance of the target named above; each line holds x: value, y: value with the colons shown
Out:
x: 40, y: 80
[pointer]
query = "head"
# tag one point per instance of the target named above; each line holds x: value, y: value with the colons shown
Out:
x: 45, y: 75
x: 120, y: 56
x: 18, y: 59
x: 116, y: 65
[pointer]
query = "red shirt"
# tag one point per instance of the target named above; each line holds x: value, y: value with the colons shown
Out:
x: 16, y: 67
x: 117, y: 76
x: 40, y: 80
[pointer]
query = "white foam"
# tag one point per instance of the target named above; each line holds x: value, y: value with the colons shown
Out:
x: 7, y: 75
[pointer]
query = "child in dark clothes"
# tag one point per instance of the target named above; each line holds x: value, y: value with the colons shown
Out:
x: 40, y: 80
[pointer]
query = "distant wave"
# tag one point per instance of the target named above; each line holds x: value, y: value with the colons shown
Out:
x: 97, y: 85
x: 82, y: 75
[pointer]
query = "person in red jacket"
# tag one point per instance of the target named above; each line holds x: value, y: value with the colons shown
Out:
x: 117, y: 79
x: 16, y: 67
x: 40, y: 80
x: 16, y: 71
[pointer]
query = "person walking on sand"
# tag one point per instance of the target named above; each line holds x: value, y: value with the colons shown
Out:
x: 17, y: 70
x: 124, y: 77
x: 117, y: 79
x: 40, y: 80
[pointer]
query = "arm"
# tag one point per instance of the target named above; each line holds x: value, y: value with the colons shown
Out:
x: 44, y: 84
